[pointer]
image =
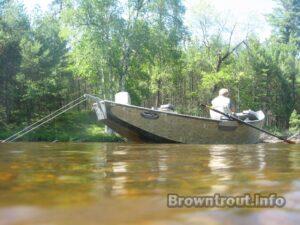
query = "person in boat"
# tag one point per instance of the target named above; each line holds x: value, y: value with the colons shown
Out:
x: 222, y: 103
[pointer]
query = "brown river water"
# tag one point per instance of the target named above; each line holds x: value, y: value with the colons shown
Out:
x: 100, y: 183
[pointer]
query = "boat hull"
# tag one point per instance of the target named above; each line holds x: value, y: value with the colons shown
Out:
x: 140, y: 124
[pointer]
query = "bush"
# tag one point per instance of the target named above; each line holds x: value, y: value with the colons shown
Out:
x: 295, y: 122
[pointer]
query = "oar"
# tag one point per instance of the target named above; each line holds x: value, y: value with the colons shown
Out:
x: 248, y: 124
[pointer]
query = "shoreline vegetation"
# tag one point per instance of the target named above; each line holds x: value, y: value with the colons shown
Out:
x: 71, y: 127
x: 84, y: 127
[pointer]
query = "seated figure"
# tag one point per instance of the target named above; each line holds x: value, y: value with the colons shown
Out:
x: 221, y: 103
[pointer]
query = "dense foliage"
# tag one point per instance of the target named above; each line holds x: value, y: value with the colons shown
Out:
x: 143, y: 47
x: 295, y: 122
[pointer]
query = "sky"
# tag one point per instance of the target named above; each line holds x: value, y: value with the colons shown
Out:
x: 246, y: 14
x: 30, y: 4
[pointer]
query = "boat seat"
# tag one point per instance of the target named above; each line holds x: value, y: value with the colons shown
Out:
x: 247, y: 115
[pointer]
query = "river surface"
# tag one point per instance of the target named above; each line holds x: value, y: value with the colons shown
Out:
x: 99, y: 183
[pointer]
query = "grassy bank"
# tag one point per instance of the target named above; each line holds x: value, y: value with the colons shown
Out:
x: 73, y: 126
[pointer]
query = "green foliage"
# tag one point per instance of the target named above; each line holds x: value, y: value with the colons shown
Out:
x: 73, y: 126
x: 136, y: 44
x: 32, y: 65
x: 286, y: 22
x: 269, y: 70
x: 295, y: 122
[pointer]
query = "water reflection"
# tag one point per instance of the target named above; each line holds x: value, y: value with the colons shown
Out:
x: 261, y: 155
x: 219, y: 165
x: 84, y: 174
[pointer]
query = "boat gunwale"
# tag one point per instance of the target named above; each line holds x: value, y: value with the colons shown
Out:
x: 175, y: 114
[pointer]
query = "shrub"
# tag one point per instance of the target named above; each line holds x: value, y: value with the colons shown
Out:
x: 295, y: 122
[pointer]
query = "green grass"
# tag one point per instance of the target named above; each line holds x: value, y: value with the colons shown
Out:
x: 72, y: 126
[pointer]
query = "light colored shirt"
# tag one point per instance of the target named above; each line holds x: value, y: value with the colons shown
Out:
x: 220, y: 103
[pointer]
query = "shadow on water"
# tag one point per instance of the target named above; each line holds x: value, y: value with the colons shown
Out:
x: 83, y: 183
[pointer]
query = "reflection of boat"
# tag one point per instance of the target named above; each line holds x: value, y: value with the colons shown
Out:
x: 140, y: 124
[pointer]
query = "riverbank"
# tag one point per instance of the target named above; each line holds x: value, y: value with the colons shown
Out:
x: 274, y: 140
x: 84, y: 127
x: 73, y: 126
x: 269, y: 139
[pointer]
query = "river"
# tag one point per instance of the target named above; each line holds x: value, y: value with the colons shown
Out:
x: 120, y: 183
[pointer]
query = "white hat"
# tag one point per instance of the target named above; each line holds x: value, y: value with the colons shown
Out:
x: 223, y: 92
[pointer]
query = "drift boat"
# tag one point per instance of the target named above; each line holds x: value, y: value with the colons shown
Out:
x: 139, y: 124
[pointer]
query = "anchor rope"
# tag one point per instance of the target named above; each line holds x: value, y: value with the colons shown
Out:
x: 46, y: 119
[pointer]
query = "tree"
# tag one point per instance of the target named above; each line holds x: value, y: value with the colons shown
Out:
x: 32, y: 64
x: 286, y: 21
x: 14, y: 24
x: 119, y: 46
x: 42, y: 77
